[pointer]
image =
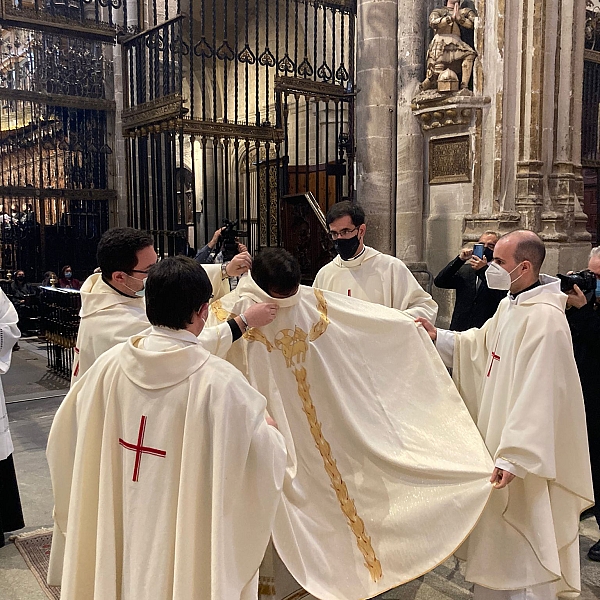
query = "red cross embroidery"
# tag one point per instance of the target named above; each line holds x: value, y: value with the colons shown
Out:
x: 349, y: 292
x: 140, y: 448
x: 76, y: 372
x: 494, y: 357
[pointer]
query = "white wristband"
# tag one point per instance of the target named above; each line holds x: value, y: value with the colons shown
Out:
x: 244, y: 320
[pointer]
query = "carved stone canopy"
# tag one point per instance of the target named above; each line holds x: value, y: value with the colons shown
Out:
x: 447, y: 110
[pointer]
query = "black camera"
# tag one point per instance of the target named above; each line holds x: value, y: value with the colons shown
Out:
x: 228, y: 244
x: 585, y: 280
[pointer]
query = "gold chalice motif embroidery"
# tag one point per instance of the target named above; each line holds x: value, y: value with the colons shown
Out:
x: 293, y: 345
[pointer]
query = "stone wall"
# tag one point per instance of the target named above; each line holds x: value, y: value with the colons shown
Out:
x: 523, y: 123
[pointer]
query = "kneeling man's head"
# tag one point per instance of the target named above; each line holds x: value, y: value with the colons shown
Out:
x: 177, y: 293
x: 276, y: 272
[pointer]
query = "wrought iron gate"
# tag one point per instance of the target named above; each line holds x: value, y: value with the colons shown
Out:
x: 55, y: 193
x: 233, y: 106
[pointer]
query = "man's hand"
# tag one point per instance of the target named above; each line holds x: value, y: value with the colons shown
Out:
x: 576, y: 297
x: 215, y: 238
x: 261, y: 314
x: 429, y: 328
x: 501, y: 478
x: 242, y: 247
x: 465, y: 254
x: 478, y: 263
x: 239, y: 264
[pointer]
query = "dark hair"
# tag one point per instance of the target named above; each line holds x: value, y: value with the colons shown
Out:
x: 118, y: 248
x: 346, y: 208
x: 175, y: 289
x: 62, y: 271
x: 276, y: 270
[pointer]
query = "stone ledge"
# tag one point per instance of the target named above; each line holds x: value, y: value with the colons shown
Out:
x: 447, y: 110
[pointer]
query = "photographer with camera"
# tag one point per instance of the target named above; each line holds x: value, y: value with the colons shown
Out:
x: 583, y: 315
x: 224, y: 241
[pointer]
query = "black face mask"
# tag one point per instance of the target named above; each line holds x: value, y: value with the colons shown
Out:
x: 489, y: 254
x: 20, y: 278
x: 347, y: 248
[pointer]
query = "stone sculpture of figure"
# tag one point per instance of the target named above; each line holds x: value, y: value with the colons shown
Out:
x: 447, y: 49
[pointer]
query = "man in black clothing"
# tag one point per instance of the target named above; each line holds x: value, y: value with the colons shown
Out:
x: 475, y: 302
x: 583, y: 315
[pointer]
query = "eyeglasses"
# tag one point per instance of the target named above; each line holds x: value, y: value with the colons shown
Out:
x: 147, y: 270
x: 344, y: 233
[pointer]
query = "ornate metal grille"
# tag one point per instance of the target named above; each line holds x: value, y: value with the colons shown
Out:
x: 92, y: 19
x: 234, y: 106
x: 54, y: 150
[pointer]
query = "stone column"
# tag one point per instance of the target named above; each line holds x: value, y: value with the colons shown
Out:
x: 564, y: 220
x: 533, y: 83
x: 548, y: 180
x: 376, y: 79
x: 390, y: 66
x: 412, y: 35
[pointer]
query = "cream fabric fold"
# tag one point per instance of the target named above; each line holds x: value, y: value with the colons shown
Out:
x: 386, y: 472
x: 9, y: 335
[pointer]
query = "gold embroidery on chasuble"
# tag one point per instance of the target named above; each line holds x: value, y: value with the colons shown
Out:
x: 294, y: 346
x: 219, y: 312
x: 252, y: 334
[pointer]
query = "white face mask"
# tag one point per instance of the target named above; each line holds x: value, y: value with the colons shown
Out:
x: 139, y: 293
x: 498, y: 278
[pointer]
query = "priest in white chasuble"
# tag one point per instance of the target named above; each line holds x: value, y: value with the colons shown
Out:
x: 165, y: 466
x: 518, y: 378
x: 112, y: 302
x: 386, y: 473
x: 365, y: 273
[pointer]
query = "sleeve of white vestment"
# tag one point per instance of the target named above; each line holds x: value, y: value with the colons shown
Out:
x: 220, y: 286
x: 410, y: 297
x: 445, y: 346
x: 9, y: 332
x: 217, y: 340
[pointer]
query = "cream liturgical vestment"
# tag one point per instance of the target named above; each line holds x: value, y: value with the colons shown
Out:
x: 9, y: 335
x: 109, y: 318
x: 166, y: 476
x: 518, y: 378
x: 386, y: 472
x: 378, y: 278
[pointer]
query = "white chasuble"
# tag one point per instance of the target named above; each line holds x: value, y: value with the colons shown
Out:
x: 386, y: 473
x: 166, y: 476
x: 518, y: 378
x: 9, y: 335
x: 109, y: 318
x: 379, y: 278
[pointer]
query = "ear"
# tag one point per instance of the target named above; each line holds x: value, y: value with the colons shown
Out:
x: 527, y: 266
x: 362, y: 230
x: 203, y: 312
x: 118, y: 276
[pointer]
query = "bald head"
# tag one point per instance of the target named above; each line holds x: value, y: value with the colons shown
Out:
x: 526, y: 245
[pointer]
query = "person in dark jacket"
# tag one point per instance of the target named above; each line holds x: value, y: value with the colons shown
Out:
x: 583, y: 315
x: 19, y: 289
x: 475, y: 302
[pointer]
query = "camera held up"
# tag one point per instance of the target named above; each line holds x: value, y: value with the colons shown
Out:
x: 585, y: 280
x: 228, y: 243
